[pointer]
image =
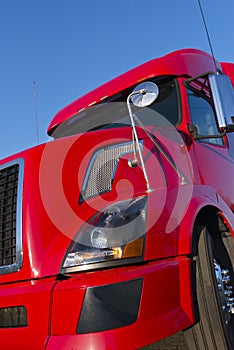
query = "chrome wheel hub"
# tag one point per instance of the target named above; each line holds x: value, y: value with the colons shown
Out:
x: 225, y: 291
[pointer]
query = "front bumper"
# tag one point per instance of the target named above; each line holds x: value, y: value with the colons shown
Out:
x: 124, y: 308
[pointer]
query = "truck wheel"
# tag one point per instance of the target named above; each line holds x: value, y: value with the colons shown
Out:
x: 213, y: 282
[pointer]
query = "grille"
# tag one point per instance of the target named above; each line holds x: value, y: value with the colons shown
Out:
x: 10, y: 247
x: 101, y: 170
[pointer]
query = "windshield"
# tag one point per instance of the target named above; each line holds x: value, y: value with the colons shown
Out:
x: 113, y: 112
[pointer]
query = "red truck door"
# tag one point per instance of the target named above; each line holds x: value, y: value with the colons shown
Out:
x: 215, y: 157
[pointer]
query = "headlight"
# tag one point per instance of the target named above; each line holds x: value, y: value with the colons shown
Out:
x: 113, y: 235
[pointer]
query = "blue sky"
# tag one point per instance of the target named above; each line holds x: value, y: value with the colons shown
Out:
x: 69, y: 47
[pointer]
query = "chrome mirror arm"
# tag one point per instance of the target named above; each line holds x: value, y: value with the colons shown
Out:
x: 136, y: 142
x: 135, y: 136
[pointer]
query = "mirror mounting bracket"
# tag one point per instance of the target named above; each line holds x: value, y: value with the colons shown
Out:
x: 194, y: 133
x: 143, y: 95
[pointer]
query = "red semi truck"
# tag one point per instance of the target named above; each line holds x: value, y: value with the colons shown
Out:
x: 119, y: 231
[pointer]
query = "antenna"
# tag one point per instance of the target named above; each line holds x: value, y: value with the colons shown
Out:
x: 35, y: 107
x: 207, y: 34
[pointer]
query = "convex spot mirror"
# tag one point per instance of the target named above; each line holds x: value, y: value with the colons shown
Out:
x: 148, y: 93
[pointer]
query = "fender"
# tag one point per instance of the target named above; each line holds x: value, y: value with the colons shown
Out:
x: 204, y: 196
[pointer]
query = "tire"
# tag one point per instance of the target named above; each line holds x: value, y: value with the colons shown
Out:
x: 214, y: 329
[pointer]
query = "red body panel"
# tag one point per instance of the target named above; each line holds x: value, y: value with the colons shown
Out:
x: 52, y: 215
x: 35, y: 295
x: 228, y: 68
x: 154, y: 301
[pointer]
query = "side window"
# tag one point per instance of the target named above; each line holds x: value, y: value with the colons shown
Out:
x: 203, y: 117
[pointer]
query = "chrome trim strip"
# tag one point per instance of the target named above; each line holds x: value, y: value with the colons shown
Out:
x: 19, y: 208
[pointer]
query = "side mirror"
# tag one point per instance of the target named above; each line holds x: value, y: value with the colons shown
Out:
x: 223, y: 97
x: 144, y: 94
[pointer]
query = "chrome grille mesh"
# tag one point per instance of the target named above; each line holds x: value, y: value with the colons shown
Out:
x: 8, y: 198
x: 10, y: 245
x: 101, y: 170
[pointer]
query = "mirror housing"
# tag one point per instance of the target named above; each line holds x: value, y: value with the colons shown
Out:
x: 223, y: 97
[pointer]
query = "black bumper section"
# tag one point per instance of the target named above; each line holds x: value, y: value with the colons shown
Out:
x: 14, y: 316
x: 110, y: 306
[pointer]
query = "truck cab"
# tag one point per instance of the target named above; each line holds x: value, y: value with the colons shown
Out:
x: 119, y: 231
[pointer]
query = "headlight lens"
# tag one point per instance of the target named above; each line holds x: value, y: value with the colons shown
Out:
x: 115, y: 234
